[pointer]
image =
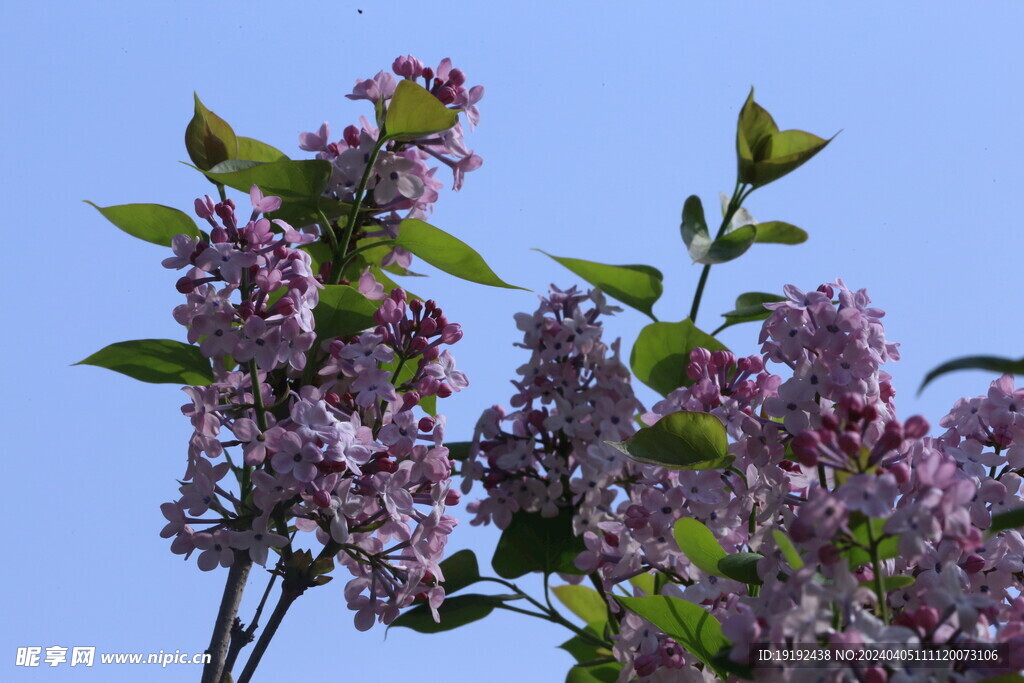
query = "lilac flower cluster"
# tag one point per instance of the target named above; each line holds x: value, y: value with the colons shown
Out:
x: 331, y: 445
x: 890, y: 524
x: 403, y: 179
x: 573, y: 395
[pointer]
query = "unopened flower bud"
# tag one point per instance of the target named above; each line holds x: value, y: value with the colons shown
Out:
x: 322, y: 498
x: 185, y: 285
x: 451, y: 333
x: 351, y: 136
x: 916, y: 427
x: 974, y: 563
x: 446, y: 94
x: 218, y: 235
x: 805, y: 447
x: 410, y: 399
x: 444, y: 390
x: 426, y: 424
x: 699, y: 355
x: 428, y: 326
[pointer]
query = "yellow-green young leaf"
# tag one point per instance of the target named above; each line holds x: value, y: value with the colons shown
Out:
x: 586, y: 603
x: 788, y: 550
x: 699, y: 545
x: 157, y: 361
x: 892, y: 583
x: 680, y: 441
x: 209, y: 139
x: 755, y: 124
x: 446, y: 253
x: 749, y: 308
x: 415, y: 113
x: 777, y: 232
x: 662, y: 352
x: 688, y: 624
x: 254, y: 150
x: 583, y: 650
x: 1003, y: 366
x: 150, y: 222
x: 644, y: 582
x: 302, y: 180
x: 635, y: 285
x: 782, y: 153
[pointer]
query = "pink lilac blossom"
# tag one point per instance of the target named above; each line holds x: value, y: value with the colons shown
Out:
x: 334, y: 450
x: 818, y: 452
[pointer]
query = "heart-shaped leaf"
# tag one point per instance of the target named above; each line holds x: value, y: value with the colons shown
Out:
x: 415, y: 113
x: 209, y: 139
x: 662, y: 353
x: 680, y: 441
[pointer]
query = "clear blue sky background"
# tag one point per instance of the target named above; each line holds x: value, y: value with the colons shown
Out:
x: 599, y: 119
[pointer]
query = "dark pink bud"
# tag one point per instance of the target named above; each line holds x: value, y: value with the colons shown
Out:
x: 892, y: 436
x: 410, y: 399
x: 452, y: 497
x: 419, y: 344
x: 431, y: 353
x: 901, y: 472
x: 875, y: 674
x: 322, y: 498
x: 827, y: 290
x: 398, y: 294
x: 387, y: 465
x: 699, y: 355
x: 849, y: 443
x: 427, y: 73
x: 451, y: 333
x: 332, y: 399
x: 205, y: 207
x: 427, y: 386
x: 869, y: 412
x: 926, y: 618
x: 446, y: 94
x: 426, y: 424
x: 184, y: 285
x: 218, y: 235
x: 852, y: 404
x: 281, y: 251
x: 428, y: 326
x: 246, y: 310
x: 456, y: 77
x: 829, y: 554
x: 285, y: 307
x: 351, y: 136
x: 886, y: 392
x: 805, y: 447
x: 722, y: 358
x: 415, y: 305
x: 444, y: 390
x: 646, y: 665
x: 694, y: 371
x: 916, y: 427
x: 830, y: 422
x: 974, y: 563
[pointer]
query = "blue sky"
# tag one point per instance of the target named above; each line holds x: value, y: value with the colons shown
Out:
x: 598, y: 120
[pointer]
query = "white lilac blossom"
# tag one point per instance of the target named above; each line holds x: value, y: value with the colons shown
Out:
x: 331, y: 452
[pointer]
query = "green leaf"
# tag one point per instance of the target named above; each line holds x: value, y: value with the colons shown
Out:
x: 302, y: 181
x: 764, y: 153
x: 788, y: 550
x: 694, y: 228
x: 254, y: 150
x: 454, y: 612
x: 741, y: 567
x: 586, y: 603
x: 583, y: 650
x: 754, y: 126
x: 662, y: 352
x: 699, y: 544
x: 209, y: 139
x: 415, y: 113
x: 777, y: 232
x: 446, y: 253
x: 782, y: 153
x: 1007, y: 520
x: 887, y: 544
x: 1003, y: 366
x: 158, y: 361
x: 599, y: 673
x: 458, y: 450
x: 532, y: 543
x: 644, y: 582
x: 343, y: 311
x: 460, y: 570
x: 690, y: 625
x: 729, y: 246
x: 302, y: 212
x: 150, y: 222
x: 749, y: 308
x: 680, y: 441
x: 635, y: 285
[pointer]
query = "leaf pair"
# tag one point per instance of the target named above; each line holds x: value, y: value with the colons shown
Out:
x: 734, y: 243
x: 765, y: 153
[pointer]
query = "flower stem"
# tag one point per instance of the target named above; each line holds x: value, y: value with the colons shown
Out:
x: 353, y: 217
x: 288, y: 596
x: 738, y: 195
x: 238, y: 574
x: 876, y: 567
